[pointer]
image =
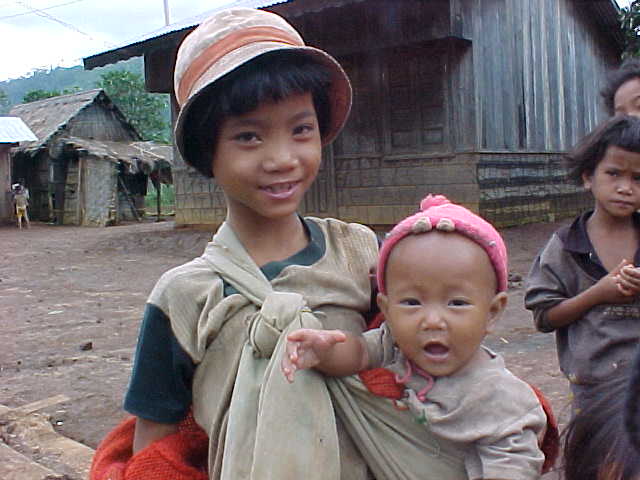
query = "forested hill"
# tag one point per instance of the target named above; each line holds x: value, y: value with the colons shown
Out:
x: 61, y: 79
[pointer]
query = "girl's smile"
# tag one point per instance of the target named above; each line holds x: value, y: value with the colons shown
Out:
x: 267, y: 159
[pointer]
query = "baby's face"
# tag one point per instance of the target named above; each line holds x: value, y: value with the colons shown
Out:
x: 440, y: 300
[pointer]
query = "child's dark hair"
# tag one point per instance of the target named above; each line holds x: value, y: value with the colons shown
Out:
x: 596, y: 445
x: 622, y: 131
x: 629, y: 69
x: 273, y: 76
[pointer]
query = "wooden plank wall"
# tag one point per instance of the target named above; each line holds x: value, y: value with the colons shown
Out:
x: 6, y: 202
x: 525, y: 188
x: 98, y: 123
x: 539, y: 66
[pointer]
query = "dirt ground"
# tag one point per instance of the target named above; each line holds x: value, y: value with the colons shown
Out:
x: 71, y: 300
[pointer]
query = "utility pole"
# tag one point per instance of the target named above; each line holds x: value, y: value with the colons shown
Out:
x: 166, y: 12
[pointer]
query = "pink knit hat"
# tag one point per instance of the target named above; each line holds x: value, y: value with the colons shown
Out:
x: 437, y: 212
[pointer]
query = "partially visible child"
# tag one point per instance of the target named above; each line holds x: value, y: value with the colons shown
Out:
x: 596, y: 445
x: 583, y: 285
x: 621, y: 93
x: 21, y: 202
x: 442, y: 275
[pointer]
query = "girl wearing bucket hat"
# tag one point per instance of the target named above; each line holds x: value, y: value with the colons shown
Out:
x: 256, y: 106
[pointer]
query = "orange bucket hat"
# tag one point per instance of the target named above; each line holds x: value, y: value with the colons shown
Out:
x: 233, y: 37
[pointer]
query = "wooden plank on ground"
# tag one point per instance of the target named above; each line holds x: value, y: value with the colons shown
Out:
x: 15, y: 466
x: 35, y: 433
x: 42, y: 404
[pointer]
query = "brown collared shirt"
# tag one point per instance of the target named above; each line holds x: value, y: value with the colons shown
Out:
x: 606, y: 336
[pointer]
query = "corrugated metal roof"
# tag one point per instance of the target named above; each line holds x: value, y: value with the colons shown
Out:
x: 139, y: 46
x: 14, y: 130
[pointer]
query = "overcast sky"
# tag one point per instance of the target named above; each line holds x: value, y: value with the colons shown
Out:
x: 50, y: 33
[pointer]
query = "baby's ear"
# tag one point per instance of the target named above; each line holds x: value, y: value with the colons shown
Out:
x: 498, y: 304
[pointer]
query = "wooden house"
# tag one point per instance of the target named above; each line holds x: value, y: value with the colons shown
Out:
x: 475, y: 99
x: 88, y: 166
x: 12, y: 132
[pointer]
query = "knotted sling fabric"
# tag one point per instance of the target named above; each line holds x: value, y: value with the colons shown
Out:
x: 240, y: 397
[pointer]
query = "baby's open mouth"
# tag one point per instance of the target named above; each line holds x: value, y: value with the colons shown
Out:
x: 436, y: 349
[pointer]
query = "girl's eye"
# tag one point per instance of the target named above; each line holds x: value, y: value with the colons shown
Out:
x: 612, y: 173
x: 303, y: 129
x: 246, y: 137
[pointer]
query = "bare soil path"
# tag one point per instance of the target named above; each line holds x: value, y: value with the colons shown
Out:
x: 71, y: 300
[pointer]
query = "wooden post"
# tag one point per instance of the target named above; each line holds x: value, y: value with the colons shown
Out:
x: 79, y: 196
x: 158, y: 186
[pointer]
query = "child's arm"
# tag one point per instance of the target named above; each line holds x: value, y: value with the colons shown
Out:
x: 332, y: 352
x: 607, y: 290
x: 147, y: 432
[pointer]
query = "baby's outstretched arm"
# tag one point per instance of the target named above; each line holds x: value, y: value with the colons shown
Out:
x: 333, y: 352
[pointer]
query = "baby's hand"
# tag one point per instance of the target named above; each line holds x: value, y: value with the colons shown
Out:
x: 629, y: 280
x: 305, y: 348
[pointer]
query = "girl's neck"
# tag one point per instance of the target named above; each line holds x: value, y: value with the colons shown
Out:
x: 268, y: 240
x: 602, y: 221
x: 613, y: 238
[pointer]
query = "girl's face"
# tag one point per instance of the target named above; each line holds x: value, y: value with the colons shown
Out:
x: 615, y: 183
x: 267, y: 159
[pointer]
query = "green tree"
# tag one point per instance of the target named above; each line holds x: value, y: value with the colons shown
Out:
x: 144, y: 110
x: 4, y: 102
x: 34, y: 95
x: 630, y: 23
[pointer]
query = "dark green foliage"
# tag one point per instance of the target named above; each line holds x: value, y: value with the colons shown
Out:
x: 167, y: 199
x: 144, y: 110
x: 62, y: 78
x: 630, y: 23
x: 35, y: 95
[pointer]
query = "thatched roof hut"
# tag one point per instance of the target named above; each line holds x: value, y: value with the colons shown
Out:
x: 89, y: 164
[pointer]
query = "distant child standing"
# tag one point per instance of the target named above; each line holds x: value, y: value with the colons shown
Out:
x: 256, y: 107
x: 21, y: 201
x: 442, y: 275
x: 584, y: 284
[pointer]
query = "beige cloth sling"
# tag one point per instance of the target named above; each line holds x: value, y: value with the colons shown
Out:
x: 261, y: 427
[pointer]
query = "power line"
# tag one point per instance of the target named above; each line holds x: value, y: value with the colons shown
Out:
x: 35, y: 13
x: 42, y: 13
